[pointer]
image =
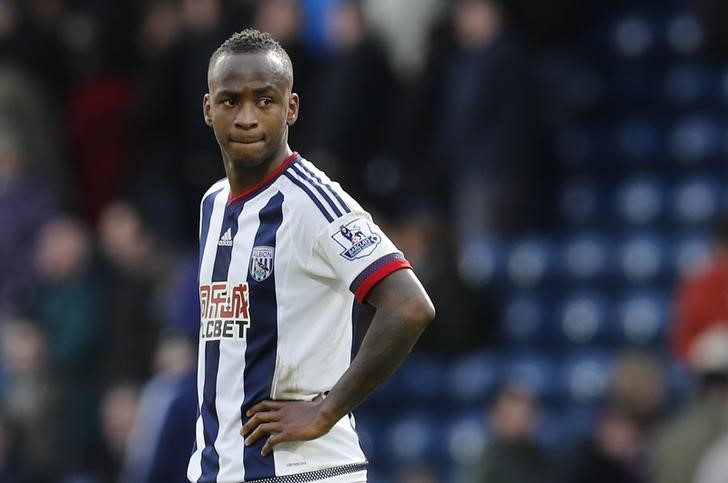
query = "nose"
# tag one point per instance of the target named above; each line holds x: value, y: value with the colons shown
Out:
x: 246, y: 119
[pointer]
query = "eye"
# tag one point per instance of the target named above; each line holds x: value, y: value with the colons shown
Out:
x: 265, y: 102
x: 229, y: 102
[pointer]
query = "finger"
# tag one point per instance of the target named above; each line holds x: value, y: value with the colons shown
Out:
x: 261, y: 431
x: 272, y: 441
x: 263, y: 406
x: 259, y: 418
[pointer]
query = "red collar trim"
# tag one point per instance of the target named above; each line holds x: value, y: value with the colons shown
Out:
x: 265, y: 182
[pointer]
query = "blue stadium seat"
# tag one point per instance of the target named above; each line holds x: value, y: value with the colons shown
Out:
x: 525, y: 319
x: 684, y: 33
x: 696, y: 201
x: 580, y: 201
x: 414, y: 437
x: 630, y: 89
x: 466, y: 437
x: 371, y: 428
x: 638, y: 140
x: 586, y: 257
x: 696, y: 139
x: 643, y: 259
x: 576, y: 146
x: 640, y: 200
x: 642, y: 318
x: 585, y: 377
x: 482, y: 262
x: 535, y: 370
x: 689, y: 84
x: 583, y: 319
x: 633, y: 36
x: 690, y: 253
x: 420, y: 381
x: 473, y: 378
x: 530, y: 262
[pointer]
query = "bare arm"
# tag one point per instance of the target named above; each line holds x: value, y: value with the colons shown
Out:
x: 403, y: 310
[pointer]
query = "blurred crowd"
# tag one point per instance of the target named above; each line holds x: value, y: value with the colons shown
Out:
x: 446, y: 119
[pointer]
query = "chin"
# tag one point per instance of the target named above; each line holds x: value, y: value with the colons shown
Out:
x: 247, y: 161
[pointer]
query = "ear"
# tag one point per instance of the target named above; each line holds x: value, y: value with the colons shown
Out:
x: 207, y: 109
x: 293, y: 106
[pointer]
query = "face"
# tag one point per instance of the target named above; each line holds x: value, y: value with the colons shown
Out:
x: 249, y: 107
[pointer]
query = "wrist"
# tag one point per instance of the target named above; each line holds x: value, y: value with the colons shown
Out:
x: 328, y: 414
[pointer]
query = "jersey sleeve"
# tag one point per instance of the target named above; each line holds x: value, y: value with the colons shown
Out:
x: 358, y: 252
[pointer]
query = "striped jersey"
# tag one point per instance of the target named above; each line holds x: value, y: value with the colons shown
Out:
x: 282, y: 268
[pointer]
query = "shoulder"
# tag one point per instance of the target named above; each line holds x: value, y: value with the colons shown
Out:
x: 215, y: 188
x: 315, y: 195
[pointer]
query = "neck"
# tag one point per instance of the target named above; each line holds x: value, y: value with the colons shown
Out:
x: 242, y: 179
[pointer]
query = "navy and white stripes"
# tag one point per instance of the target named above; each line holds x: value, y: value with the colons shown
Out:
x: 323, y: 195
x: 271, y: 329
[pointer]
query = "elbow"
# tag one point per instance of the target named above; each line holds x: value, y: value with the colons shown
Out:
x: 420, y: 313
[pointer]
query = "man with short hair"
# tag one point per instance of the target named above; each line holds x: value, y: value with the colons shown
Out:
x: 280, y: 278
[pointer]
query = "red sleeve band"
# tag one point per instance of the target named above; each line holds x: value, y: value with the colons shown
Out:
x: 375, y: 273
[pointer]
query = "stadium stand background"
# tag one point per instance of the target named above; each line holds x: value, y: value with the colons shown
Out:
x: 551, y: 179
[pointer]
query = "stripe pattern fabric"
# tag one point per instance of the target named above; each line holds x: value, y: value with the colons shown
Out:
x: 281, y: 267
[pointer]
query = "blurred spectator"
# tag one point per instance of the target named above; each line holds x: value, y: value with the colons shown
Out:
x: 29, y: 117
x: 158, y: 30
x: 66, y: 304
x: 554, y: 22
x: 354, y: 91
x: 175, y: 157
x: 405, y: 27
x: 151, y: 178
x: 97, y: 125
x: 12, y: 462
x: 117, y: 413
x: 420, y: 472
x: 702, y: 298
x: 164, y: 427
x: 283, y: 19
x: 475, y: 123
x: 514, y: 454
x: 137, y: 264
x: 703, y: 421
x: 8, y: 28
x: 181, y: 297
x: 638, y: 385
x: 25, y: 205
x: 34, y: 399
x: 316, y: 14
x: 714, y: 15
x: 617, y: 449
x: 713, y: 466
x: 37, y: 43
x: 66, y: 300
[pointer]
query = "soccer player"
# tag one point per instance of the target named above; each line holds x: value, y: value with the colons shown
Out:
x: 285, y: 257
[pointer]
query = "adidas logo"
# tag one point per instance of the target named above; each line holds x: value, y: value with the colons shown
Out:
x: 226, y: 240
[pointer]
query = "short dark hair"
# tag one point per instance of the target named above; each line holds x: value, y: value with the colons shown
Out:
x: 251, y: 41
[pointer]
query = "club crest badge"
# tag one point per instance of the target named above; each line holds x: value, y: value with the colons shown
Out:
x: 357, y: 239
x: 261, y: 263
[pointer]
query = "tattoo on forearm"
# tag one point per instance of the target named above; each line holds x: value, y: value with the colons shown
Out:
x: 388, y: 341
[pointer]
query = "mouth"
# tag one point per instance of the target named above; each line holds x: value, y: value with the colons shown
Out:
x: 246, y: 140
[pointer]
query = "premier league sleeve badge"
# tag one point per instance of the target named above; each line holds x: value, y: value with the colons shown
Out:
x: 357, y: 239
